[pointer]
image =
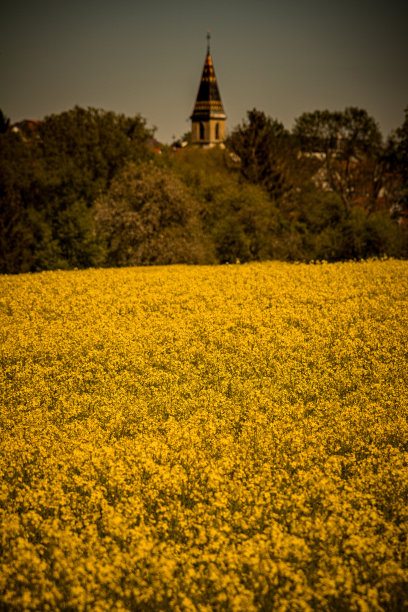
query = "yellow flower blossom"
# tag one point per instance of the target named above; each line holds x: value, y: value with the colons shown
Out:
x: 205, y: 438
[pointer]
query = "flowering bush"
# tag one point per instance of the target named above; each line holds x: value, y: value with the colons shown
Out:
x: 205, y: 438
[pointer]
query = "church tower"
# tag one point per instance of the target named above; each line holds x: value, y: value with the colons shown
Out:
x: 208, y: 118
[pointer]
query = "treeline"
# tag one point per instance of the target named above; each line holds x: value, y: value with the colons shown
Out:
x: 86, y: 188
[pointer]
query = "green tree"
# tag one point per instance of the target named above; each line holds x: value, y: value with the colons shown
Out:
x: 82, y: 150
x: 268, y: 156
x: 77, y: 240
x: 4, y: 122
x: 149, y: 217
x: 347, y: 149
x: 397, y: 171
x: 240, y: 217
x: 49, y: 178
x: 16, y: 179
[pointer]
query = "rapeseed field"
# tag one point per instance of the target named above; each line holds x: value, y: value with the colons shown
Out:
x: 205, y: 438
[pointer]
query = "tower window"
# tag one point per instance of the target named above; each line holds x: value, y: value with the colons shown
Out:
x: 217, y: 131
x: 201, y: 131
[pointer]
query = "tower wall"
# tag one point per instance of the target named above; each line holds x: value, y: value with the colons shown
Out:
x: 208, y: 132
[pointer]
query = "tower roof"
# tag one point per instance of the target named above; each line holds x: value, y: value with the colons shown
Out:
x: 208, y: 102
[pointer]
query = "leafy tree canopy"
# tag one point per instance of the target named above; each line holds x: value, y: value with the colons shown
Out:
x: 240, y: 217
x: 397, y: 169
x: 4, y: 122
x: 82, y: 149
x: 349, y: 145
x: 83, y: 189
x: 268, y: 155
x: 149, y: 217
x: 351, y: 132
x: 63, y: 164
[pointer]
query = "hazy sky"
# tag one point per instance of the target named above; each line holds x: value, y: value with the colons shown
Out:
x: 283, y: 57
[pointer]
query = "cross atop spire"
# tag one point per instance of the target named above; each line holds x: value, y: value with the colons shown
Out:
x: 208, y: 41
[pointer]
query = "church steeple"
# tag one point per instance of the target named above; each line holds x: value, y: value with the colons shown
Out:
x: 208, y: 118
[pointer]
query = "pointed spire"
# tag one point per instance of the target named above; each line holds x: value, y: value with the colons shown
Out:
x: 208, y: 102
